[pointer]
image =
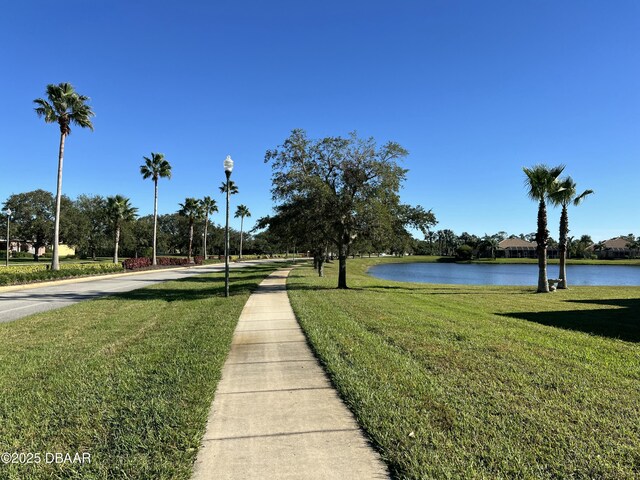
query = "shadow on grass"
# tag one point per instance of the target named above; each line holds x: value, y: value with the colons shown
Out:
x: 210, y: 285
x: 622, y: 322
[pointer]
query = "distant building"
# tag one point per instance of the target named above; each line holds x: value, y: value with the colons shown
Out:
x: 26, y: 246
x: 618, y: 247
x: 516, y: 247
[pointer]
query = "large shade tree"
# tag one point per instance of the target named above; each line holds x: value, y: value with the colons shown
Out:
x: 242, y: 211
x: 33, y: 217
x: 565, y: 194
x: 342, y: 180
x: 119, y: 211
x: 209, y: 206
x: 155, y: 167
x: 65, y: 107
x: 540, y: 182
x: 191, y: 209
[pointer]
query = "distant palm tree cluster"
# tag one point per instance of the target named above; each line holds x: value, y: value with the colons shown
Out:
x: 65, y: 106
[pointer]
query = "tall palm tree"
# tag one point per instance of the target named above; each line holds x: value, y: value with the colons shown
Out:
x: 63, y: 106
x: 540, y: 181
x: 209, y: 206
x: 119, y: 211
x: 233, y: 188
x: 242, y: 211
x: 192, y: 209
x: 565, y: 194
x: 155, y: 167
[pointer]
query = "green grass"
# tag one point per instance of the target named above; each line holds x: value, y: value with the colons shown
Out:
x: 128, y: 378
x: 487, y: 382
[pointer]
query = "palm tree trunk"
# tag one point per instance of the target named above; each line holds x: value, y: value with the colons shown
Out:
x: 241, y: 227
x: 155, y: 221
x: 190, y: 242
x: 115, y: 250
x: 206, y: 224
x: 55, y: 260
x: 541, y: 239
x: 564, y: 230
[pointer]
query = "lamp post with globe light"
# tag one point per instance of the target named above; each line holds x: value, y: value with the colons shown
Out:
x: 228, y: 168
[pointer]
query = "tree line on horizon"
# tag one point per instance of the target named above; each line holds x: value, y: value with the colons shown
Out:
x: 94, y: 225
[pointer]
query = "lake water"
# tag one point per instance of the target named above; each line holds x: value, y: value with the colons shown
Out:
x: 514, y: 274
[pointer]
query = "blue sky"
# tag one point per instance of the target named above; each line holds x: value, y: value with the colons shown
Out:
x: 474, y: 90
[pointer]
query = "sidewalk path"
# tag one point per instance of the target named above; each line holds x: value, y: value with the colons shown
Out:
x: 275, y: 414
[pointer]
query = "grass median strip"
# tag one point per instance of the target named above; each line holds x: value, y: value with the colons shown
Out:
x: 128, y: 379
x: 453, y: 381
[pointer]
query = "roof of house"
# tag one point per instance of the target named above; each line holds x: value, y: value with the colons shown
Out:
x: 618, y: 242
x: 516, y: 242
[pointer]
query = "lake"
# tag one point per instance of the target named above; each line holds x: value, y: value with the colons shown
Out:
x: 501, y: 274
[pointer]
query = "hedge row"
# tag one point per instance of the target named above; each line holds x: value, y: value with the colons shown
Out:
x: 36, y: 273
x: 145, y: 262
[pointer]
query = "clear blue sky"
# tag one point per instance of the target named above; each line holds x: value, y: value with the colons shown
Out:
x: 475, y: 90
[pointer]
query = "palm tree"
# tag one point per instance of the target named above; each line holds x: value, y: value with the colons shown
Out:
x: 64, y: 106
x: 233, y: 188
x: 119, y: 211
x: 192, y: 209
x: 242, y: 211
x: 540, y: 181
x: 565, y: 194
x: 155, y: 167
x: 209, y: 206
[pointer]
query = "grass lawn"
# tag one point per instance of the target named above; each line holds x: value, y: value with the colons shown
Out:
x: 127, y: 378
x: 454, y: 381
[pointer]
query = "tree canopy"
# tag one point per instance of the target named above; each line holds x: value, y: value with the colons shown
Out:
x: 338, y: 190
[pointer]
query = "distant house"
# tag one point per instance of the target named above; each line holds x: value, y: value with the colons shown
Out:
x: 516, y: 247
x: 27, y: 246
x: 618, y: 247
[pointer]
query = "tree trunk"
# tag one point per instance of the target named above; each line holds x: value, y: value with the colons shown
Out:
x: 343, y: 252
x: 154, y: 261
x: 190, y: 242
x: 562, y: 247
x: 55, y: 261
x: 541, y: 238
x: 206, y: 224
x: 115, y: 250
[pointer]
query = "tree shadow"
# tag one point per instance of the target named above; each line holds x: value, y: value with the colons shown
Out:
x: 209, y: 285
x: 622, y: 322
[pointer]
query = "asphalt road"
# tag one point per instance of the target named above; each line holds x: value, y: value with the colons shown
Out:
x: 24, y: 302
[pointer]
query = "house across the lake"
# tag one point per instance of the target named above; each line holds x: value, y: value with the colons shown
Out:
x: 618, y: 247
x: 516, y: 247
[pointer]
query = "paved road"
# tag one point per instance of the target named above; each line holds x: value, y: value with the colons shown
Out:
x: 24, y: 302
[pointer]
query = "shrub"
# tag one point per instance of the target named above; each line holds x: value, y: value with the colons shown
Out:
x: 464, y: 252
x: 34, y: 273
x: 135, y: 263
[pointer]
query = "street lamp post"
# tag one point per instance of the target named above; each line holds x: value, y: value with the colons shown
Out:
x: 228, y: 168
x: 9, y: 212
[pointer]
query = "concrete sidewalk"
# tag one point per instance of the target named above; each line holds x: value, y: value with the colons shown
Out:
x: 275, y: 414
